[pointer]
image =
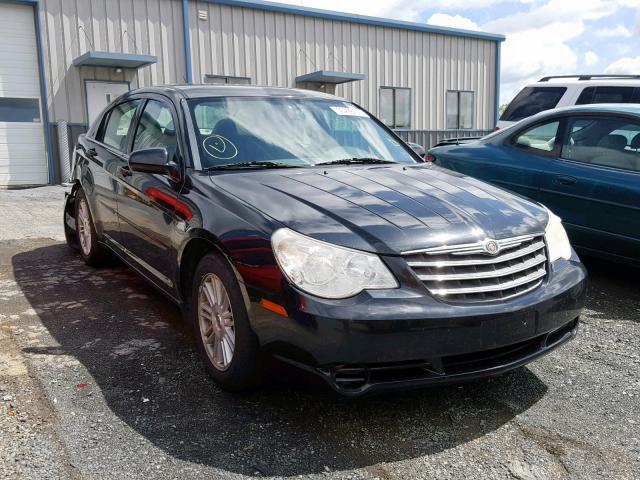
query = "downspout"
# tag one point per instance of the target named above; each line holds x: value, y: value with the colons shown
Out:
x: 43, y: 96
x: 496, y: 115
x: 187, y: 40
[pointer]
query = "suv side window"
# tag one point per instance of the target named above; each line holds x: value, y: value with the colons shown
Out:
x: 116, y: 130
x: 156, y: 129
x: 541, y: 137
x: 532, y: 100
x: 605, y: 141
x: 606, y: 95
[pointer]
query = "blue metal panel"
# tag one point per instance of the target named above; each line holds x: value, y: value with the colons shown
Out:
x: 114, y: 59
x: 326, y: 76
x: 187, y: 40
x: 353, y: 18
x: 497, y: 99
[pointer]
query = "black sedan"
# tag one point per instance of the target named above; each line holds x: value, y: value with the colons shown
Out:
x: 294, y: 224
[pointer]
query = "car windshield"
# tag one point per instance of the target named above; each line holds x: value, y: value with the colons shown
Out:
x: 295, y: 132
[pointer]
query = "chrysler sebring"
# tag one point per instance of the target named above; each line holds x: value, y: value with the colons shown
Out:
x: 295, y: 224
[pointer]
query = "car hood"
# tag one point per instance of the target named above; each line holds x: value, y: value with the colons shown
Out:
x: 384, y: 209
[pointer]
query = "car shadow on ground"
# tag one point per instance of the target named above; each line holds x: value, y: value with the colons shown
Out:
x: 135, y: 347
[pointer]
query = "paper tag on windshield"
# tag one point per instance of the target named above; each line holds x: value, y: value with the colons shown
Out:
x: 350, y: 111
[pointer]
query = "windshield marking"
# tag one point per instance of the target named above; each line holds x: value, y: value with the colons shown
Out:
x: 219, y: 145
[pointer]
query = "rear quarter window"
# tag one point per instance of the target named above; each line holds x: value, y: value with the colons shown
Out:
x: 532, y: 100
x: 608, y: 95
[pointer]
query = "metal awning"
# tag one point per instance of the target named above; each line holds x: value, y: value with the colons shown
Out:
x: 327, y: 76
x: 113, y: 59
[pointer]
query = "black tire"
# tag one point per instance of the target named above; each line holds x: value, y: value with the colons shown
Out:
x: 97, y: 255
x: 244, y: 370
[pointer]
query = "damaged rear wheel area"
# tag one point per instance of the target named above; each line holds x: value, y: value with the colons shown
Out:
x: 80, y: 231
x: 69, y: 218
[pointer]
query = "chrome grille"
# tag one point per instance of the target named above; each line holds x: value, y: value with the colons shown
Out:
x: 469, y: 273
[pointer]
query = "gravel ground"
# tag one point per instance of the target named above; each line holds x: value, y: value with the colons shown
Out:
x: 99, y: 379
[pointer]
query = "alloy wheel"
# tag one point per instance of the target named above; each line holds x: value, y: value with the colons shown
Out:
x: 215, y: 319
x: 84, y: 227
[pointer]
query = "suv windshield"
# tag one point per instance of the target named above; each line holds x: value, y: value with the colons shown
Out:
x: 290, y: 132
x: 532, y: 100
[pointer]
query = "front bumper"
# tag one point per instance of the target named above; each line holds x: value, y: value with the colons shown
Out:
x: 382, y: 340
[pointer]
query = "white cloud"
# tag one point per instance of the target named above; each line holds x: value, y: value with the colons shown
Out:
x: 627, y: 65
x: 553, y: 11
x: 539, y: 40
x: 540, y: 34
x: 531, y: 54
x: 612, y: 32
x: 409, y: 10
x: 590, y: 58
x: 453, y: 21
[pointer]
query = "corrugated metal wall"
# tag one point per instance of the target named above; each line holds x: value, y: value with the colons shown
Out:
x: 73, y: 27
x: 270, y: 47
x: 273, y: 48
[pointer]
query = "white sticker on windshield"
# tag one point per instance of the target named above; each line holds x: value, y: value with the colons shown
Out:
x: 350, y: 111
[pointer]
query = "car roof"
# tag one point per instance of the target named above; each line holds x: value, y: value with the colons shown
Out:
x: 628, y: 108
x: 203, y: 91
x: 620, y: 82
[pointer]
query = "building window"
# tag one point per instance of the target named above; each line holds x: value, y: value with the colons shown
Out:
x: 459, y: 110
x: 19, y: 109
x: 395, y: 107
x: 226, y: 80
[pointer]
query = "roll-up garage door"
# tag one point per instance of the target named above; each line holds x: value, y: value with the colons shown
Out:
x: 23, y: 159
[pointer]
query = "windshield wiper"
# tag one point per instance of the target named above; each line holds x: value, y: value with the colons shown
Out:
x: 356, y: 161
x: 241, y: 165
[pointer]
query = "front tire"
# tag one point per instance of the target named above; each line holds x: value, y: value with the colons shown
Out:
x: 93, y: 254
x: 226, y: 343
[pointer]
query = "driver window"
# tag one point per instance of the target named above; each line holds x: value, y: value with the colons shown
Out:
x: 156, y: 129
x: 541, y: 137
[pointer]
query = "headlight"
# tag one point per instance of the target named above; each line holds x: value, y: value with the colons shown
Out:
x: 557, y: 240
x: 327, y: 270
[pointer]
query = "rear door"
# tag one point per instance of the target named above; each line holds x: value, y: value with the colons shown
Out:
x: 105, y: 156
x: 147, y: 202
x: 594, y: 186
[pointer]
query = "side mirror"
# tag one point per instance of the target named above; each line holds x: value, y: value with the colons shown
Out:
x: 153, y: 160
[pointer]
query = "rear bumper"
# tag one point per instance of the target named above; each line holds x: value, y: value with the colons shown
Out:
x: 387, y: 341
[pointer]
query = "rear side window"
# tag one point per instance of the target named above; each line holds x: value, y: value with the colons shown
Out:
x: 541, y: 137
x: 606, y: 141
x: 608, y: 95
x: 118, y: 125
x: 532, y: 100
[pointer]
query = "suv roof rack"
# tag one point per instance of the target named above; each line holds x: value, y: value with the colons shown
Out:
x: 589, y: 77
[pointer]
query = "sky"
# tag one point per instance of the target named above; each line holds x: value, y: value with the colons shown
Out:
x: 544, y: 37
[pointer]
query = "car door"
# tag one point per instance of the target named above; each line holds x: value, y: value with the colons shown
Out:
x: 594, y: 185
x: 146, y: 203
x: 104, y: 155
x: 527, y: 153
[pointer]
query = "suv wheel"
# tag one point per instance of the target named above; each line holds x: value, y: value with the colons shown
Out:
x: 225, y: 341
x: 94, y: 254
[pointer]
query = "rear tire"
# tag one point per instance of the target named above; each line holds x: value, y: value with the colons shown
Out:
x: 226, y: 343
x: 93, y: 254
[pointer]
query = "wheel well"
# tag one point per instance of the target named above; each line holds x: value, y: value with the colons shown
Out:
x: 191, y: 256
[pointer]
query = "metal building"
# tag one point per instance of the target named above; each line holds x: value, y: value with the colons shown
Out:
x: 62, y: 61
